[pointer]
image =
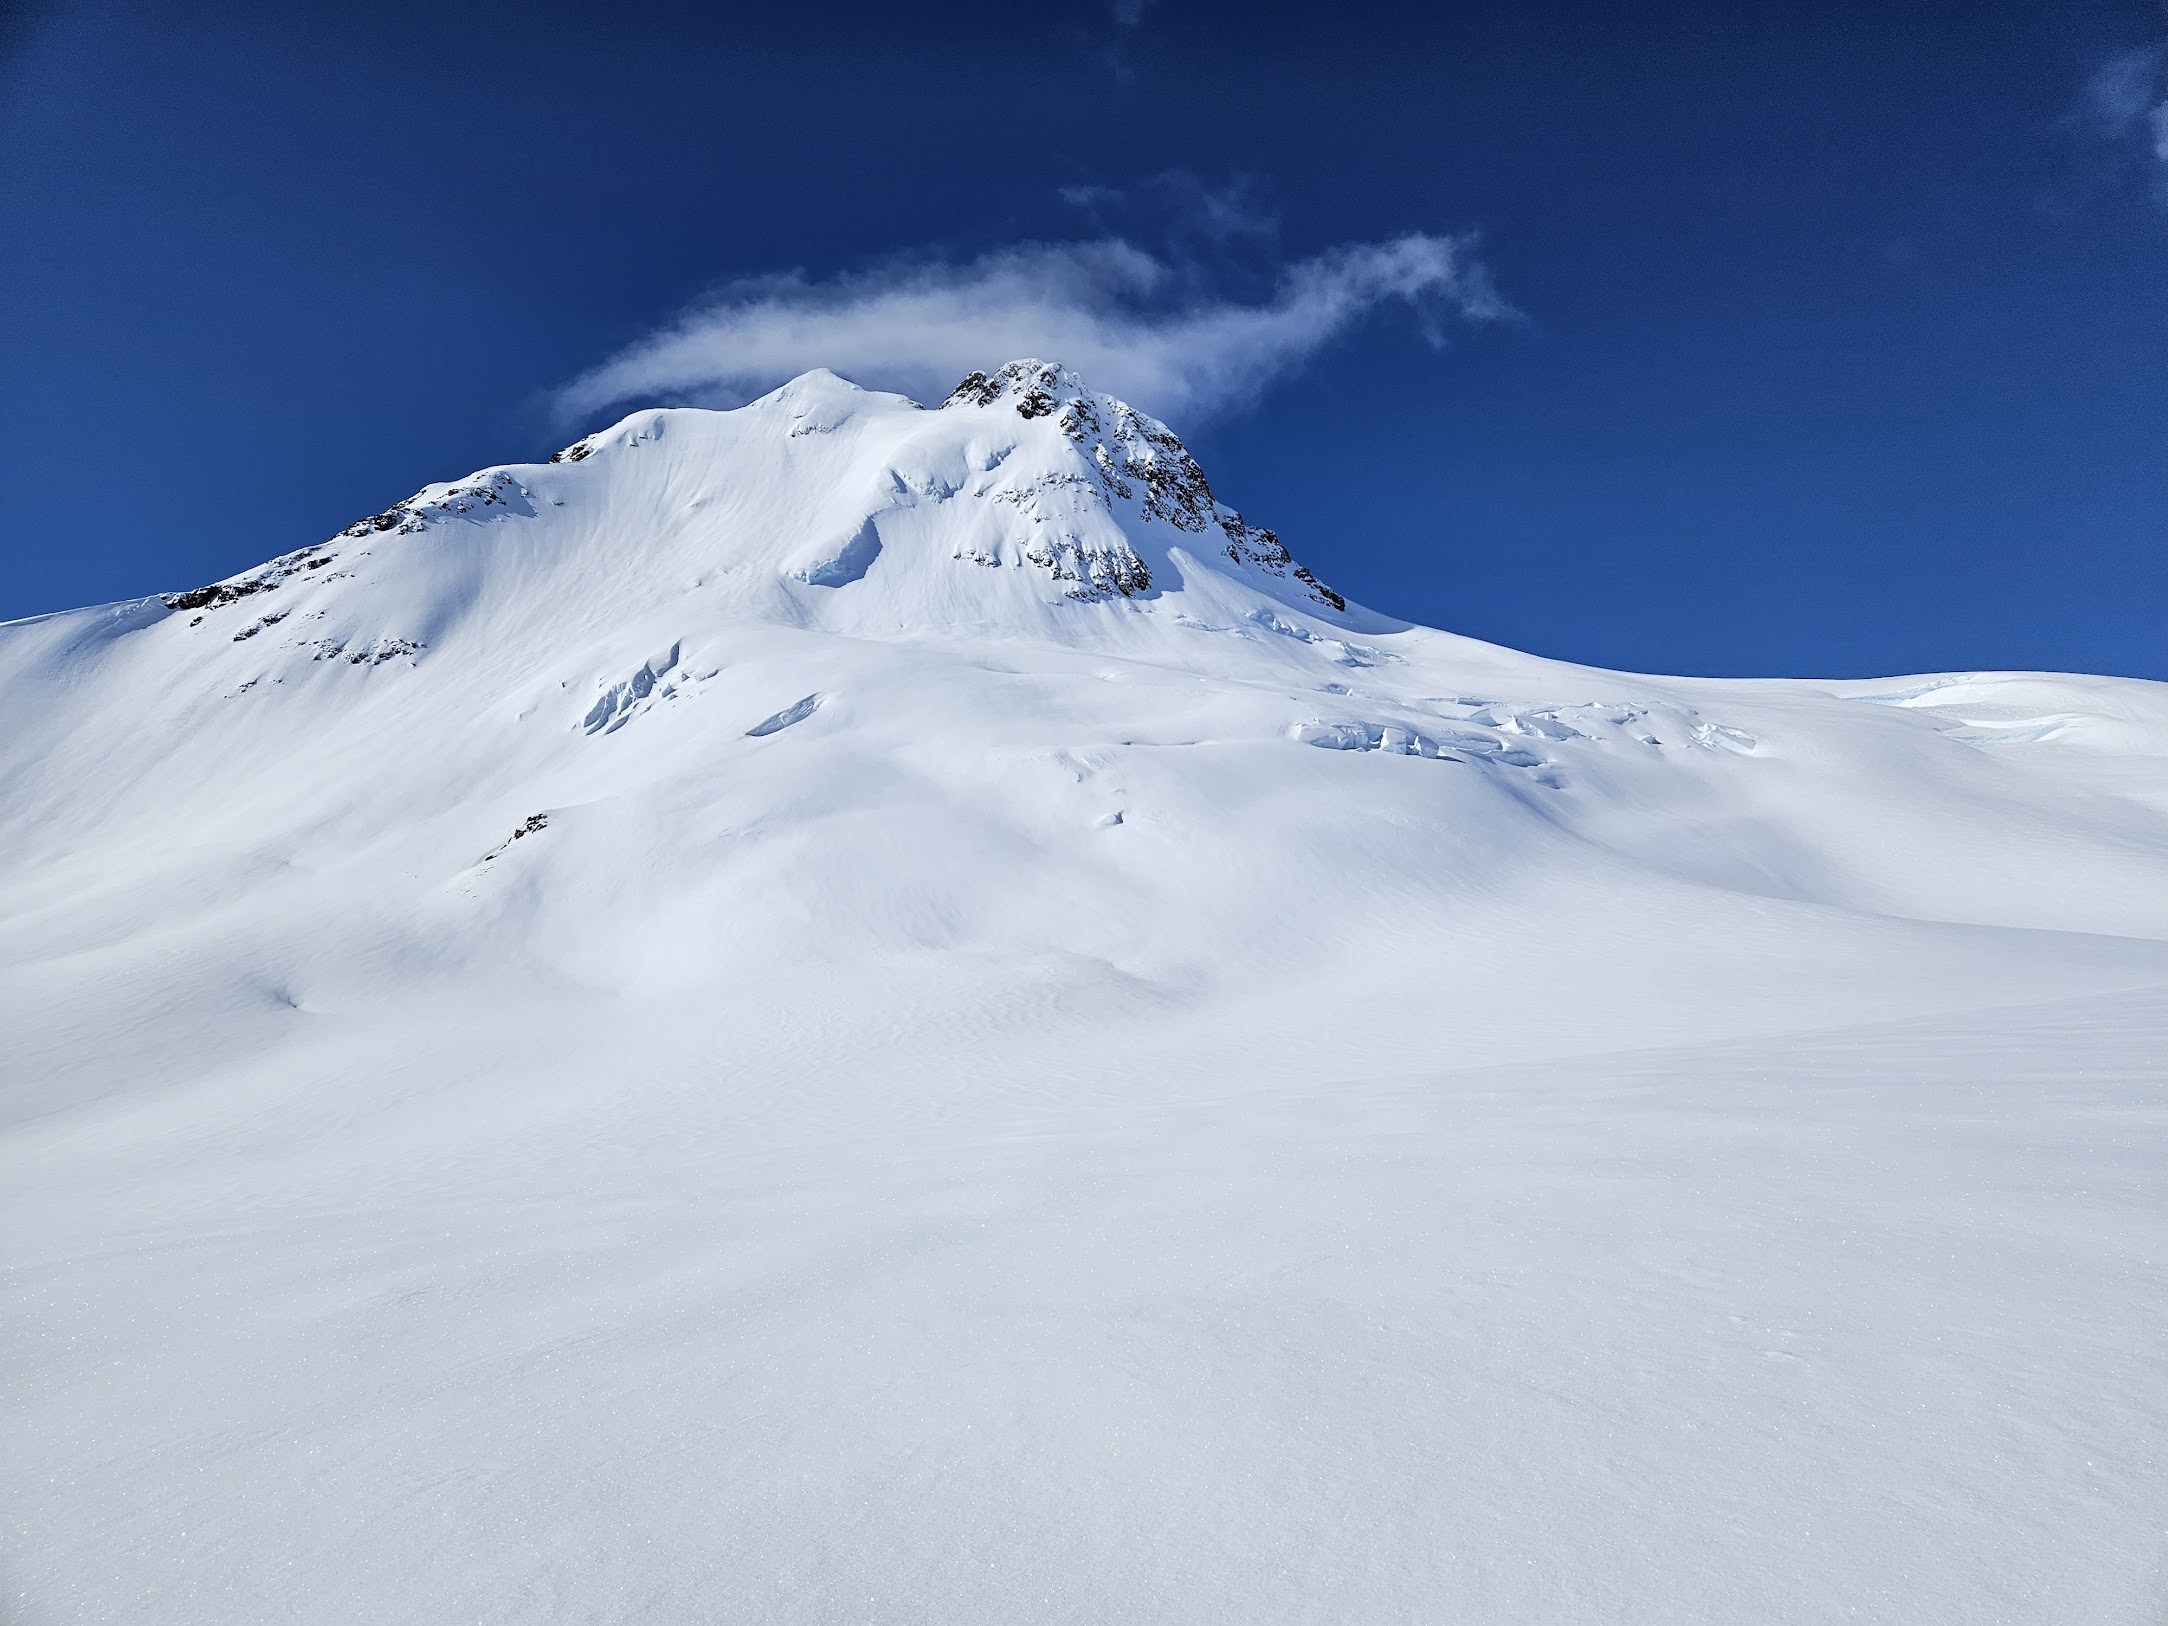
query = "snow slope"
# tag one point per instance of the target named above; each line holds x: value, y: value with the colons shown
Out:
x: 841, y: 1011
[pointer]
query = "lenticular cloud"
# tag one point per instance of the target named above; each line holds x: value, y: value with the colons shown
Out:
x: 1107, y: 308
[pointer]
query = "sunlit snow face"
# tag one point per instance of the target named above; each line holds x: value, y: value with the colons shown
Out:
x: 897, y: 1000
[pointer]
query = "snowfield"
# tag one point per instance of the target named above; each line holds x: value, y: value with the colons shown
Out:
x: 851, y: 1012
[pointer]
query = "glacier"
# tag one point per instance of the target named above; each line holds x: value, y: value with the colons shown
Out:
x: 848, y: 1010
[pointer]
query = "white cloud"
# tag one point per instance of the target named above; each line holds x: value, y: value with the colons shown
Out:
x: 1106, y: 309
x: 2128, y: 96
x: 1184, y: 205
x: 2122, y: 87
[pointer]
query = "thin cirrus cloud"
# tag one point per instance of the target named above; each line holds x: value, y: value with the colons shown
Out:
x: 2128, y: 97
x: 1107, y: 309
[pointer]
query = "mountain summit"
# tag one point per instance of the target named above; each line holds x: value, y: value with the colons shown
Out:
x: 1135, y: 458
x: 955, y: 612
x: 849, y: 1009
x: 1064, y: 495
x: 1021, y: 500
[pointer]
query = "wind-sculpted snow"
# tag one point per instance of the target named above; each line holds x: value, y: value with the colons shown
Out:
x: 659, y: 679
x: 854, y: 1010
x: 796, y: 712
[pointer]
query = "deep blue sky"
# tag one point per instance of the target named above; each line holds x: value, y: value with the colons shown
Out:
x: 1846, y: 337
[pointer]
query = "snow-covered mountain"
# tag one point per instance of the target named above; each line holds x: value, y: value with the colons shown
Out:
x: 846, y: 1010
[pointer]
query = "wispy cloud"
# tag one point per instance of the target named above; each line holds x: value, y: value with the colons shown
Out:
x: 2127, y: 100
x: 1183, y: 206
x: 1128, y: 321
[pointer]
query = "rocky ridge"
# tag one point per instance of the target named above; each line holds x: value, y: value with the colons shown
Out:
x: 1134, y: 456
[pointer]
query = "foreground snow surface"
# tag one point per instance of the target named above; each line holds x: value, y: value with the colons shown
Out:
x: 841, y: 1012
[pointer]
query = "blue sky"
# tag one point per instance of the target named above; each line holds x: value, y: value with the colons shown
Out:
x: 1811, y: 340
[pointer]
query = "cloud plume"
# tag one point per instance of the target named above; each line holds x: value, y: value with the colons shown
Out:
x: 1121, y: 317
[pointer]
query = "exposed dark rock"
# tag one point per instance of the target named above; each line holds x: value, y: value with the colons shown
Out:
x: 387, y: 520
x: 1136, y: 458
x: 1095, y: 573
x: 369, y: 654
x: 533, y: 822
x: 262, y: 580
x: 976, y: 390
x: 1262, y: 548
x: 217, y: 594
x: 1319, y: 589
